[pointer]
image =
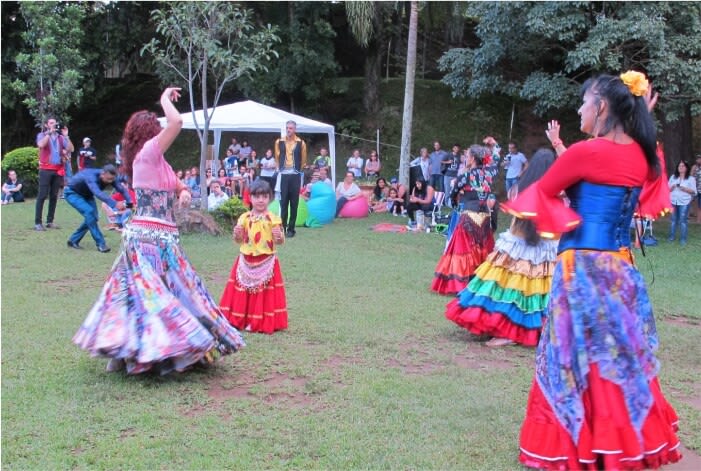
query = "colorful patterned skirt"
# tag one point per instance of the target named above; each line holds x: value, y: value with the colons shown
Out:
x: 508, y: 295
x: 154, y: 311
x: 596, y: 402
x: 470, y: 243
x: 254, y: 297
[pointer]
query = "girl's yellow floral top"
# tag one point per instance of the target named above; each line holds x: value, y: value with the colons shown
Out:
x: 258, y: 233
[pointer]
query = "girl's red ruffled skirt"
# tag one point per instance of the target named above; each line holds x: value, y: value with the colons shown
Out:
x: 264, y: 310
x: 607, y: 439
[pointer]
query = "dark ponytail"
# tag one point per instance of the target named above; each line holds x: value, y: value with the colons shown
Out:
x: 539, y: 164
x: 628, y: 111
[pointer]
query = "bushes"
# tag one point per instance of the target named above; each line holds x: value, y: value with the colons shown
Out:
x: 229, y: 212
x: 25, y: 161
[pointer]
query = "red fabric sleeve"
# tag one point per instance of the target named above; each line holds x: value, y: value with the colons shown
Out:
x: 654, y: 199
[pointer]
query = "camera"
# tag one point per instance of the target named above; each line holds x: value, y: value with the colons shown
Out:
x: 57, y: 127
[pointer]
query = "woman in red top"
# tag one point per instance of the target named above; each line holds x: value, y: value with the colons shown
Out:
x: 596, y: 402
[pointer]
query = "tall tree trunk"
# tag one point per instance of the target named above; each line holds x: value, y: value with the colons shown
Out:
x: 407, y: 117
x: 204, y: 140
x: 677, y: 140
x: 373, y: 71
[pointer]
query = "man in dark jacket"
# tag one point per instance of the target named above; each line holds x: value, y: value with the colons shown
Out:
x: 81, y: 192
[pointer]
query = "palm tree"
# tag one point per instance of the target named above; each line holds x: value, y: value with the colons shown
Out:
x: 409, y: 95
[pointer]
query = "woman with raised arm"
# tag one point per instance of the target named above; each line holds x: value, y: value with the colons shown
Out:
x: 596, y: 401
x: 154, y: 313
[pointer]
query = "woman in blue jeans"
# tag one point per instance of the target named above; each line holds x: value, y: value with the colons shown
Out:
x: 682, y: 191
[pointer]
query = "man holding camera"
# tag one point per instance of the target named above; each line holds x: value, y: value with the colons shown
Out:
x: 55, y: 149
x: 81, y: 193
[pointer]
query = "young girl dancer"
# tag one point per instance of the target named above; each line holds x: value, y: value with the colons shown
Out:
x: 254, y: 298
x: 154, y: 312
x: 509, y: 292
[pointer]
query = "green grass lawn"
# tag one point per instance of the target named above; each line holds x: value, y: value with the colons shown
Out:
x: 369, y: 375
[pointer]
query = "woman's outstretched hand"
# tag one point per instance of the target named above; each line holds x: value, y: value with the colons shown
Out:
x: 553, y: 131
x: 171, y: 94
x: 651, y: 98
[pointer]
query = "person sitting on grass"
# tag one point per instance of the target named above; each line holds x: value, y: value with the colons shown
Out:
x: 12, y: 189
x: 379, y: 196
x: 395, y: 204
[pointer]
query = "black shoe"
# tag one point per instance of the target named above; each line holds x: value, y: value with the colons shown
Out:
x: 290, y: 233
x: 103, y: 249
x: 73, y: 245
x: 39, y: 227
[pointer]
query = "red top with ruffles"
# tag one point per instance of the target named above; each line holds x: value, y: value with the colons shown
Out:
x: 599, y: 161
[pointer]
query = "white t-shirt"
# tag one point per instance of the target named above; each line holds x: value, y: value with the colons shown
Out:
x: 516, y: 163
x: 342, y: 191
x: 214, y: 201
x: 267, y: 167
x: 678, y: 196
x: 357, y: 163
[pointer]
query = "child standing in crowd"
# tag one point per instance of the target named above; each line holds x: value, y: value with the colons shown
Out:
x: 254, y: 298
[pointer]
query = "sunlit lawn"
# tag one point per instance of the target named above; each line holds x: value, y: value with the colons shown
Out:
x: 369, y: 375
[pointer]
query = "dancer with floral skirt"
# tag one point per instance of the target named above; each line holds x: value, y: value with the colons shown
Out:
x: 154, y: 313
x: 596, y: 402
x: 472, y: 239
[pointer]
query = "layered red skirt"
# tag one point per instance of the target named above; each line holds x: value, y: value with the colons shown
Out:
x: 471, y: 242
x: 607, y: 439
x: 261, y: 310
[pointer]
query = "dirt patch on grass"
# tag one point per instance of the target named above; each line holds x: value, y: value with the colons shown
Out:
x: 417, y: 357
x: 69, y: 284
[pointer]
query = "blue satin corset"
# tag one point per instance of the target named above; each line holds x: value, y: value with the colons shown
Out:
x: 606, y: 213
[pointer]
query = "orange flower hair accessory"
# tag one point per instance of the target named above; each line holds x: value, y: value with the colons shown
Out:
x: 636, y: 82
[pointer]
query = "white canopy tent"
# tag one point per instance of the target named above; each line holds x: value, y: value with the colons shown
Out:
x: 250, y: 116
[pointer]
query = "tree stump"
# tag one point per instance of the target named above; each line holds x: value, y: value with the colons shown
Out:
x: 191, y: 220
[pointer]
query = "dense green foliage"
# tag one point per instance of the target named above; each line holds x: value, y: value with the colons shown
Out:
x: 24, y: 161
x: 51, y: 68
x: 542, y: 51
x: 228, y: 213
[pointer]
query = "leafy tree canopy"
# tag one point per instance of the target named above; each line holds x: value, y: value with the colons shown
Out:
x: 51, y: 68
x: 543, y: 51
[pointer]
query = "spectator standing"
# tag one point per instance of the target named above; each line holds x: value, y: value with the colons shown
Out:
x: 355, y: 164
x: 424, y: 161
x: 194, y: 182
x: 216, y: 196
x: 373, y: 166
x: 54, y: 149
x: 81, y: 193
x: 515, y: 163
x: 696, y: 175
x: 682, y: 191
x: 268, y: 168
x: 436, y: 159
x: 87, y: 155
x: 12, y: 189
x: 323, y: 160
x: 450, y: 168
x: 291, y: 156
